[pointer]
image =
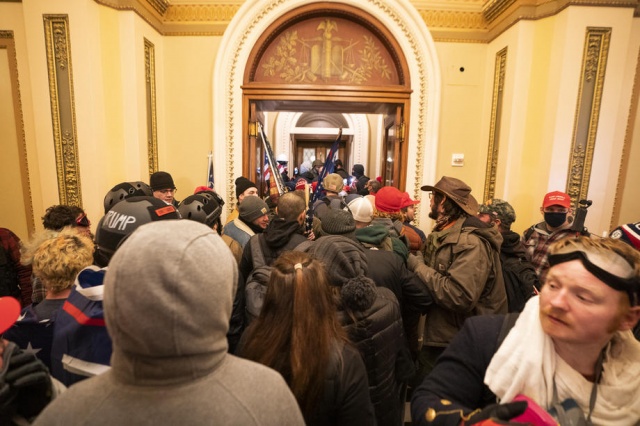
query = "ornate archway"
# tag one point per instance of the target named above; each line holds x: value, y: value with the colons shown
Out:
x: 249, y: 32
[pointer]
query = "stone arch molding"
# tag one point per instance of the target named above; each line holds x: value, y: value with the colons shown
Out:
x: 249, y: 23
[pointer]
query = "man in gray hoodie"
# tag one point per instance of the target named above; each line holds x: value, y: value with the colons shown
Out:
x: 168, y: 297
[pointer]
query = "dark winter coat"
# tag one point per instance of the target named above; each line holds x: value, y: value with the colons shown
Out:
x: 520, y: 278
x: 278, y: 237
x: 388, y: 270
x: 378, y: 334
x: 465, y: 280
x: 346, y: 400
x: 456, y: 386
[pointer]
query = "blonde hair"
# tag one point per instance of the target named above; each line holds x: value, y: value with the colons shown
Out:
x: 393, y: 216
x: 58, y: 260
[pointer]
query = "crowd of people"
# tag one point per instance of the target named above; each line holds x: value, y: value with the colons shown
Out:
x: 168, y: 315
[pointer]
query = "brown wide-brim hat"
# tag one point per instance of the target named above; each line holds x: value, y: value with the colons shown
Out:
x: 458, y: 191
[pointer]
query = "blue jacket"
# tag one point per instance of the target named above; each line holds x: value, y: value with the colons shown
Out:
x: 81, y: 345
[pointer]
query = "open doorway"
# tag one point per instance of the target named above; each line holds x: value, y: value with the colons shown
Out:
x: 376, y: 140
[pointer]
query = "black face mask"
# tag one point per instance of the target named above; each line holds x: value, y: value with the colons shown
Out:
x: 555, y: 220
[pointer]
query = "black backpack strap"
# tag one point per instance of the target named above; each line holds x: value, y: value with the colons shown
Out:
x: 256, y: 251
x: 507, y: 325
x: 528, y: 233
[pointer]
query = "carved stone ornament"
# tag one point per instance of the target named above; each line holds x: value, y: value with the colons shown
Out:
x: 494, y: 131
x: 594, y: 64
x: 60, y: 74
x: 152, y: 119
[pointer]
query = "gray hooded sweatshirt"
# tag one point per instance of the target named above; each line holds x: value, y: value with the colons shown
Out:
x: 168, y: 298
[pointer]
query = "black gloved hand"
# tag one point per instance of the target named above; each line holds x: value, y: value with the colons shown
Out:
x: 502, y: 412
x: 7, y: 394
x: 26, y: 381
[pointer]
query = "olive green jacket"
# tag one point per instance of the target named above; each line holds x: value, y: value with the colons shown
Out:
x: 464, y: 278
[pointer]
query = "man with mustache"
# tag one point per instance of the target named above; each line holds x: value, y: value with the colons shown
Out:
x: 461, y: 267
x: 571, y: 354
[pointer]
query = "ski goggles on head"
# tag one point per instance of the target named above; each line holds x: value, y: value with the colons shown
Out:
x: 83, y: 220
x: 606, y: 265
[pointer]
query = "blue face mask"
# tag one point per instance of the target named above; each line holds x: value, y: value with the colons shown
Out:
x: 555, y: 220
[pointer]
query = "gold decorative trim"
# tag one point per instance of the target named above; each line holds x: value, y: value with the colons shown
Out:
x: 453, y: 19
x: 493, y: 8
x: 626, y: 148
x: 594, y: 63
x: 327, y: 58
x: 58, y: 48
x: 152, y: 123
x: 7, y: 41
x: 159, y: 5
x: 494, y: 132
x: 448, y: 21
x: 201, y: 12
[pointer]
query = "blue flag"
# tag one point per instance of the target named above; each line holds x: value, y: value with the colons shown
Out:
x: 210, y: 172
x: 329, y: 166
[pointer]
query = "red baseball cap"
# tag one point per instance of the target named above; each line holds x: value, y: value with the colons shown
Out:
x: 300, y: 184
x: 9, y: 312
x: 407, y: 201
x: 389, y: 199
x: 556, y: 198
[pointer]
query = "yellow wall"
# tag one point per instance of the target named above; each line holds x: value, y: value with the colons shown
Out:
x: 462, y: 113
x: 12, y: 209
x: 628, y: 193
x: 188, y: 93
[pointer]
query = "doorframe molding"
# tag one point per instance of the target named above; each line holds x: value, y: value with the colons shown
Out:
x: 411, y: 33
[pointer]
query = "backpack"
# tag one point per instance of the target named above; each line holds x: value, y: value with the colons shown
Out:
x: 520, y: 281
x: 256, y: 284
x: 335, y: 203
x: 9, y: 282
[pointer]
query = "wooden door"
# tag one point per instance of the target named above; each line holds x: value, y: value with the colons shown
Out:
x: 392, y: 149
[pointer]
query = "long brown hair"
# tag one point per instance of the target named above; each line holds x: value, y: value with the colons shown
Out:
x: 297, y: 329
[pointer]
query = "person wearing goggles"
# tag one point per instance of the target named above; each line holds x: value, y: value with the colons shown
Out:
x: 569, y: 356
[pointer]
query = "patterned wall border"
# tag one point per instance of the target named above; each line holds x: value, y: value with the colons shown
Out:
x: 150, y: 89
x: 594, y: 63
x: 494, y: 131
x: 626, y: 149
x: 448, y: 21
x: 58, y: 50
x: 7, y: 42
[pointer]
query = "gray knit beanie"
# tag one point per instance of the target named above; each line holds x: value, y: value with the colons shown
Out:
x: 252, y: 208
x: 338, y: 222
x: 346, y: 266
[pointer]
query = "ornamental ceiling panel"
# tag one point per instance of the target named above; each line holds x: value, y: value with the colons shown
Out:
x: 327, y: 50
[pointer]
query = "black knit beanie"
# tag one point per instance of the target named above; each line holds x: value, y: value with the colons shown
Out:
x: 242, y: 184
